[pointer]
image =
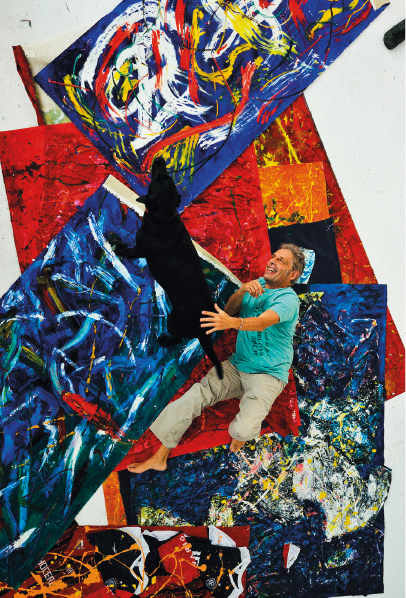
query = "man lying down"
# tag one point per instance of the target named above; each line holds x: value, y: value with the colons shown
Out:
x: 257, y: 372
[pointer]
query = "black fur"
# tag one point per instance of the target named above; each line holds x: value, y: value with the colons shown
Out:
x: 174, y: 263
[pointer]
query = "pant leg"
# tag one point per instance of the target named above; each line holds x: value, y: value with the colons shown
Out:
x: 260, y: 391
x: 175, y: 419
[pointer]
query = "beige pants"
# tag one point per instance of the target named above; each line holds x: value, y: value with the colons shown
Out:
x: 257, y: 392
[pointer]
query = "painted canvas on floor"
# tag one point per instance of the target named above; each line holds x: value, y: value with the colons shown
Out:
x: 82, y: 375
x: 293, y: 139
x: 313, y: 503
x: 98, y: 562
x: 195, y: 83
x: 294, y: 194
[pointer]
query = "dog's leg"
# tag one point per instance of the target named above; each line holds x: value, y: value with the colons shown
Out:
x: 167, y: 340
x: 124, y: 251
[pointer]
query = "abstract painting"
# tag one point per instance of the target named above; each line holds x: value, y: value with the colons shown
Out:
x: 195, y: 83
x: 293, y: 139
x: 50, y: 171
x: 294, y: 194
x: 82, y: 375
x: 75, y: 567
x: 313, y: 503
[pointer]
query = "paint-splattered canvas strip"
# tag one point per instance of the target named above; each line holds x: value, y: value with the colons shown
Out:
x: 72, y: 567
x: 293, y: 139
x: 195, y: 83
x: 36, y: 56
x: 294, y: 194
x: 321, y: 493
x: 82, y: 375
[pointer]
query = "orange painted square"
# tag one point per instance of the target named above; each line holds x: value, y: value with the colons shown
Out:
x: 294, y: 193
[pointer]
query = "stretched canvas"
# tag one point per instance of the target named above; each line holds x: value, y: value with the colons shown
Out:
x: 195, y: 83
x: 82, y: 375
x: 313, y: 503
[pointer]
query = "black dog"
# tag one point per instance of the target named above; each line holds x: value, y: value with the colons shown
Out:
x: 174, y: 262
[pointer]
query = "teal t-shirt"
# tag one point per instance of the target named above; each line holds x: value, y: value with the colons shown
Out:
x: 269, y: 351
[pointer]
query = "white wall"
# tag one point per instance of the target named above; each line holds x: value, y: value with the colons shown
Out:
x: 358, y: 107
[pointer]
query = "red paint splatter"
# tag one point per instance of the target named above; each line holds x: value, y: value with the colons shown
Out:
x: 93, y: 414
x: 184, y: 62
x: 296, y: 12
x: 158, y: 62
x: 180, y: 16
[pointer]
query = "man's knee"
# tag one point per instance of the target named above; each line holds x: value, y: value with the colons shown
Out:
x: 244, y: 430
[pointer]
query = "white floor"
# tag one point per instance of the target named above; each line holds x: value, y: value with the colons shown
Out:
x: 358, y: 107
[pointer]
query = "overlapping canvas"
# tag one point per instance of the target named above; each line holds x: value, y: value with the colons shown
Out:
x: 82, y: 375
x: 317, y: 498
x: 195, y: 83
x: 73, y: 568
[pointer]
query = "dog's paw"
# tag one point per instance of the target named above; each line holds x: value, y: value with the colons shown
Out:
x: 166, y: 340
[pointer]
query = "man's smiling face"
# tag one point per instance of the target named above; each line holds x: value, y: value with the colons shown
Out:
x: 279, y: 271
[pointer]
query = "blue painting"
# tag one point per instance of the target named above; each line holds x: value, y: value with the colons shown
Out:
x: 313, y: 503
x: 81, y: 374
x: 195, y: 82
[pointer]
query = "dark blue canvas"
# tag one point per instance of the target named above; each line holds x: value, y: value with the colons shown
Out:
x: 323, y: 491
x: 81, y: 375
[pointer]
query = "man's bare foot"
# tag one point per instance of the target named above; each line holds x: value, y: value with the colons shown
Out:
x: 157, y: 462
x: 236, y: 445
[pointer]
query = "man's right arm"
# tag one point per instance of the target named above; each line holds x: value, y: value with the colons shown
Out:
x: 233, y: 305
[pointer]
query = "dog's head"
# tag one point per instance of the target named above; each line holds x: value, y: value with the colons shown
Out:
x: 163, y: 197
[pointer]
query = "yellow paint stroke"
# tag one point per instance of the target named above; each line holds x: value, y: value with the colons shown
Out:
x: 327, y: 16
x: 29, y: 353
x: 292, y: 151
x: 250, y: 32
x: 83, y: 112
x: 353, y: 5
x: 277, y: 77
x: 180, y: 156
x: 92, y: 358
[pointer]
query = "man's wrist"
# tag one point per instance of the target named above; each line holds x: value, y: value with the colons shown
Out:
x: 236, y: 323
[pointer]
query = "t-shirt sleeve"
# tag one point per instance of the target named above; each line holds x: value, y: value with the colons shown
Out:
x: 286, y: 306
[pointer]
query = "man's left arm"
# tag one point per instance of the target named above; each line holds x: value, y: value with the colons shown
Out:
x: 222, y: 321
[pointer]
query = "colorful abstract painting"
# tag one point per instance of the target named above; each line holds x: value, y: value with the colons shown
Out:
x: 313, y: 503
x: 82, y: 375
x: 195, y: 83
x: 293, y: 139
x: 48, y: 174
x: 75, y: 566
x: 294, y: 194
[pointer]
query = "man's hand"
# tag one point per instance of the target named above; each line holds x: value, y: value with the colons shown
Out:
x: 217, y: 321
x: 253, y: 287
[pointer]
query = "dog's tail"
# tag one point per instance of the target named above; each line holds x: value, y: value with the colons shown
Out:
x: 207, y: 345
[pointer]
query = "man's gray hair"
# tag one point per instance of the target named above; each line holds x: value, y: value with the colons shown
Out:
x: 299, y: 260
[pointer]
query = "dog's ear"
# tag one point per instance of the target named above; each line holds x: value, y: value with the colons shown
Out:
x: 158, y: 170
